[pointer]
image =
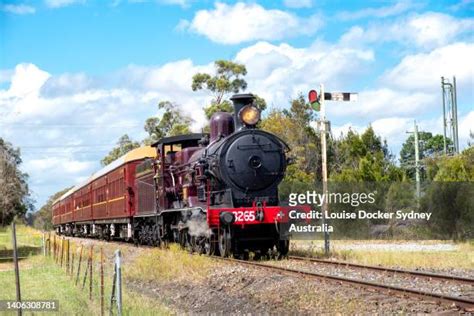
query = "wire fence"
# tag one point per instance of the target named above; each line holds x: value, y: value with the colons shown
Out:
x: 90, y: 269
x: 93, y: 270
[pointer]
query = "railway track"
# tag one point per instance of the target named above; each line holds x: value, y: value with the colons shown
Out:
x: 442, y: 277
x: 462, y: 303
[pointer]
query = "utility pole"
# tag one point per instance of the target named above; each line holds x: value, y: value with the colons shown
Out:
x: 445, y: 145
x: 455, y: 115
x: 325, y: 207
x: 417, y: 163
x: 450, y: 114
x: 417, y: 160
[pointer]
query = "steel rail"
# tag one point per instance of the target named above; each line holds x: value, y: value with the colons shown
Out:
x: 444, y: 277
x: 462, y: 303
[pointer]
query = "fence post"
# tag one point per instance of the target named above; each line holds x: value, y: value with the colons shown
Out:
x: 49, y: 244
x: 119, y: 281
x: 117, y: 285
x: 71, y: 272
x: 79, y: 266
x: 62, y: 251
x: 68, y: 257
x: 101, y: 281
x: 86, y: 273
x: 54, y: 248
x: 44, y: 244
x: 112, y: 294
x: 17, y: 270
x: 91, y: 271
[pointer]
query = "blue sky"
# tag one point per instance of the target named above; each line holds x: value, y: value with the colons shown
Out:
x: 77, y: 74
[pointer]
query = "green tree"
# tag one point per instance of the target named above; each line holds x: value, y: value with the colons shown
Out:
x: 362, y: 158
x: 171, y: 123
x: 14, y: 192
x: 450, y: 196
x: 228, y: 78
x: 430, y: 146
x: 43, y: 218
x: 293, y: 126
x: 124, y: 145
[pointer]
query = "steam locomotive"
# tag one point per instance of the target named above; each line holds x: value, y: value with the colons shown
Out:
x: 213, y: 193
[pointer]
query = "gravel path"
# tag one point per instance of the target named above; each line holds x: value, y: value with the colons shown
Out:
x: 409, y: 247
x: 451, y: 288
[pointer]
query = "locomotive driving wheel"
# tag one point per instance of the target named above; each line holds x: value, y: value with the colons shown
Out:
x: 224, y: 242
x: 211, y: 245
x: 283, y: 247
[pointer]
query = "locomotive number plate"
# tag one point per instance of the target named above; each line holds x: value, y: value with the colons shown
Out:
x: 244, y: 216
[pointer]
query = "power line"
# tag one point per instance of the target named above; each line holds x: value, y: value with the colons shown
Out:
x: 63, y: 146
x: 70, y: 125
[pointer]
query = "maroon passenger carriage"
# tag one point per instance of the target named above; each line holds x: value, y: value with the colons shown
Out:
x: 104, y: 204
x: 214, y: 193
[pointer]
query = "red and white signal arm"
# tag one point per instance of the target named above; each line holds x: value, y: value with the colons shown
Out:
x: 341, y: 96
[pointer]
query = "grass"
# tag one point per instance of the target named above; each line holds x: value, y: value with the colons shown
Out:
x: 462, y: 257
x: 26, y: 236
x: 41, y: 278
x: 169, y: 264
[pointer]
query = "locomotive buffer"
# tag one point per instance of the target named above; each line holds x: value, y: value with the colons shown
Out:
x: 318, y: 104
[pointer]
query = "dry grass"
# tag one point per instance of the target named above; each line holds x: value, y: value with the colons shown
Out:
x: 26, y: 236
x: 169, y: 264
x: 461, y: 258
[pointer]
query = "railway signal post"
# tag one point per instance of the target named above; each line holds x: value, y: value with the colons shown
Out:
x: 324, y: 166
x: 318, y: 104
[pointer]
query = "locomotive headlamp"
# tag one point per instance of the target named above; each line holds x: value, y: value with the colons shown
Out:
x: 249, y: 115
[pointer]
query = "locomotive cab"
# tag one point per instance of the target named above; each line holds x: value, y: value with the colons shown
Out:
x: 172, y: 152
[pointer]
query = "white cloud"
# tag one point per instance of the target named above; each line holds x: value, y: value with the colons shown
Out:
x: 18, y: 8
x: 436, y: 28
x: 27, y: 79
x: 466, y: 126
x: 428, y: 30
x: 243, y: 22
x: 298, y: 3
x: 423, y: 71
x: 62, y: 3
x: 384, y: 102
x: 381, y: 12
x: 66, y: 84
x: 64, y: 166
x: 280, y: 72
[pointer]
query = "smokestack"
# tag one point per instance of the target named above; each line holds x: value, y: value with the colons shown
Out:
x: 239, y: 101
